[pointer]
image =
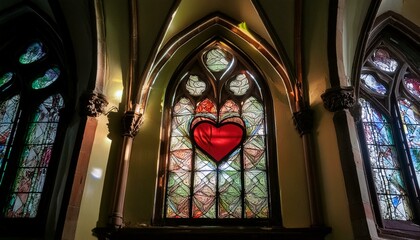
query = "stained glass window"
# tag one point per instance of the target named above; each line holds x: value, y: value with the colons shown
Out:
x: 29, y: 124
x: 390, y: 126
x: 217, y: 158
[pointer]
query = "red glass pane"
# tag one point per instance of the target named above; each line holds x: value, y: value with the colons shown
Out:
x: 218, y: 141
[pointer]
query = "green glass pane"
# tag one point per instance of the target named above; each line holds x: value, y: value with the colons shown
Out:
x: 6, y: 78
x: 230, y: 199
x: 254, y: 153
x: 253, y: 116
x: 33, y: 53
x: 49, y: 77
x: 178, y: 192
x: 256, y: 194
x: 232, y: 163
x: 204, y: 198
x: 216, y: 60
x: 181, y: 126
x: 22, y: 205
x: 178, y: 143
x: 203, y: 162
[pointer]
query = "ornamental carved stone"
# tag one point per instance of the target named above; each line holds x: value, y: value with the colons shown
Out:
x: 131, y: 123
x: 338, y: 98
x: 93, y: 104
x: 303, y: 121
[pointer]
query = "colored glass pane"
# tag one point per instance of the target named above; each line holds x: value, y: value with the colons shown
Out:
x: 371, y: 83
x: 8, y: 114
x: 413, y: 85
x: 387, y: 176
x: 25, y: 195
x: 6, y: 78
x: 253, y: 116
x: 33, y: 53
x: 239, y: 85
x: 195, y: 86
x: 411, y: 121
x: 229, y: 109
x: 382, y: 59
x: 216, y: 60
x: 49, y: 77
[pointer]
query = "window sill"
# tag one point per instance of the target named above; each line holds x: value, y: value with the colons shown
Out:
x: 212, y: 233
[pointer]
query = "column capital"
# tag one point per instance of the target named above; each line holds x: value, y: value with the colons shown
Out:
x: 93, y: 104
x: 338, y: 98
x: 131, y: 123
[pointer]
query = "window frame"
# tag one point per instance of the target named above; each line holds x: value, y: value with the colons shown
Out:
x: 390, y: 35
x: 24, y: 25
x: 274, y: 218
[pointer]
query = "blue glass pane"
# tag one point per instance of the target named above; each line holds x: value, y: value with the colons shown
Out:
x: 411, y: 123
x: 387, y: 176
x: 33, y: 53
x: 49, y: 77
x: 371, y: 83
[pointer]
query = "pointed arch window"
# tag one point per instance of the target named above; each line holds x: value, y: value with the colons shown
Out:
x: 390, y: 132
x: 32, y: 100
x: 218, y: 163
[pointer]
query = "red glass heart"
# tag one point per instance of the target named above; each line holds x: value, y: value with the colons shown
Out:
x: 218, y: 141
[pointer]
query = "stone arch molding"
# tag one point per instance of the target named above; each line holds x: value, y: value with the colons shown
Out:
x: 166, y: 61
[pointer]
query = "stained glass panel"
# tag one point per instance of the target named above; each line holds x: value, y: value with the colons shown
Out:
x: 371, y: 83
x: 204, y: 199
x: 256, y: 197
x: 216, y: 60
x: 217, y: 166
x: 411, y: 121
x: 27, y: 189
x: 195, y: 86
x: 49, y: 77
x: 382, y: 59
x: 6, y: 78
x: 253, y: 116
x: 8, y: 114
x: 229, y: 109
x: 387, y: 175
x: 33, y: 53
x: 413, y: 85
x: 239, y: 85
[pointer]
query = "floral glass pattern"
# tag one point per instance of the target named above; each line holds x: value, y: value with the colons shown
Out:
x: 217, y: 167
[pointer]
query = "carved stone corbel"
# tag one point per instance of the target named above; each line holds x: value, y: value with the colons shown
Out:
x: 93, y: 104
x: 338, y: 98
x: 131, y: 123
